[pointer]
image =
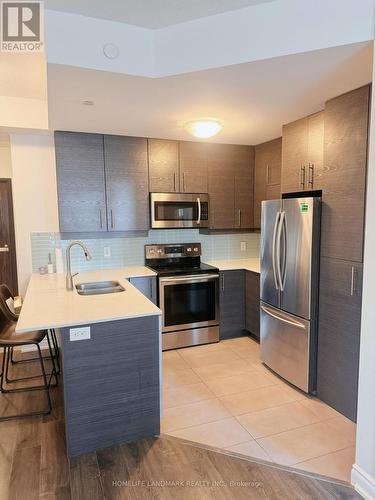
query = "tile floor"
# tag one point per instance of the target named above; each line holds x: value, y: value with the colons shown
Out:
x: 223, y: 396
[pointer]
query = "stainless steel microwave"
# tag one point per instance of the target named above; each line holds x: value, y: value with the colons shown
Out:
x: 174, y: 210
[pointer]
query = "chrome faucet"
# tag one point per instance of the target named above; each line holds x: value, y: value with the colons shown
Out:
x: 69, y: 275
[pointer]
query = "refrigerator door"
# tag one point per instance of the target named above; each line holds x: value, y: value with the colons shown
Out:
x: 296, y: 247
x: 284, y: 345
x: 269, y: 286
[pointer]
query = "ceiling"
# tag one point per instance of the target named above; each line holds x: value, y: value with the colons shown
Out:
x: 149, y: 13
x: 252, y: 100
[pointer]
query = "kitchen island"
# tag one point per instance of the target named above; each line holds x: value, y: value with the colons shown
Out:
x: 111, y: 351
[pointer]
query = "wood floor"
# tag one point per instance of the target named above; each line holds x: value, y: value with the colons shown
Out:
x: 34, y: 465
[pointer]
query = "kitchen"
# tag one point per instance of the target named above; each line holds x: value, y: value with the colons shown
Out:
x: 195, y: 255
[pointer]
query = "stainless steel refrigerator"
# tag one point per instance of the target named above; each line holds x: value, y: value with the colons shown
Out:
x: 290, y: 241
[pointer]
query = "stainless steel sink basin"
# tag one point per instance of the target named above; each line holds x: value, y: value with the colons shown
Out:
x: 99, y: 288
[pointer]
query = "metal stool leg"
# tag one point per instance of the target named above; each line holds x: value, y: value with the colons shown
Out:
x: 35, y: 358
x: 45, y: 387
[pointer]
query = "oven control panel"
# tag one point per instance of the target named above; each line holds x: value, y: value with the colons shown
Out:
x: 168, y: 251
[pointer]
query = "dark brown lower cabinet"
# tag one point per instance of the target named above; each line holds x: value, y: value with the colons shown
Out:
x: 232, y: 304
x: 339, y: 334
x: 252, y: 320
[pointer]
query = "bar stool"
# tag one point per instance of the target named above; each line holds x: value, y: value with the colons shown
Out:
x: 6, y: 294
x: 8, y: 340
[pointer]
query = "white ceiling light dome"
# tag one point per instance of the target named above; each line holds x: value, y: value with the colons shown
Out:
x: 203, y: 129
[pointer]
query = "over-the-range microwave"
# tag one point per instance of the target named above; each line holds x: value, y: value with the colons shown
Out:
x: 179, y: 210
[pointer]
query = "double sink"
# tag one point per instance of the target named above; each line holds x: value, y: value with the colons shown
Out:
x: 99, y: 288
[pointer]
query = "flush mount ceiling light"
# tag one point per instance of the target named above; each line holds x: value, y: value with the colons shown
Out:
x: 203, y: 129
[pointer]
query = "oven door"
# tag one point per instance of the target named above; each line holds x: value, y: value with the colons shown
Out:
x: 170, y: 210
x: 189, y: 301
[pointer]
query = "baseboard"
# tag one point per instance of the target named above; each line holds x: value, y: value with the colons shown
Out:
x: 363, y: 483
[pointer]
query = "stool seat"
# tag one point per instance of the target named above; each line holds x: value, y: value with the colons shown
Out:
x: 9, y: 337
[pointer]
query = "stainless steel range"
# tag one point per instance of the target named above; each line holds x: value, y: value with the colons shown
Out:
x: 188, y: 294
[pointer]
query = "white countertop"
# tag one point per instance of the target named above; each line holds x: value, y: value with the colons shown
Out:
x: 48, y: 304
x: 233, y: 264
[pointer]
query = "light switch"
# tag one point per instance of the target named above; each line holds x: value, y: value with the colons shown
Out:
x: 243, y: 246
x: 107, y: 251
x: 80, y: 333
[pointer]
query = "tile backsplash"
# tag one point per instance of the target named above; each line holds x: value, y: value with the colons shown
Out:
x: 130, y: 251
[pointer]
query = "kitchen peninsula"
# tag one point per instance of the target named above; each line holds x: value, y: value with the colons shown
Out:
x: 111, y: 354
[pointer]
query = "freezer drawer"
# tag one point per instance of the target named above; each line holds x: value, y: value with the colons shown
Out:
x: 285, y: 346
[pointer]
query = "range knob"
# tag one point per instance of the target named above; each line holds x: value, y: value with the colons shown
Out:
x: 160, y: 250
x: 196, y: 249
x: 188, y: 249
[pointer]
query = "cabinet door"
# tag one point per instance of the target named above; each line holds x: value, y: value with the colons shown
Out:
x: 232, y: 303
x: 147, y: 286
x: 267, y: 175
x: 344, y: 180
x: 126, y: 173
x: 339, y: 334
x: 294, y: 156
x: 163, y: 166
x: 193, y: 167
x: 315, y: 151
x: 252, y: 303
x: 244, y: 187
x: 221, y: 190
x: 80, y: 182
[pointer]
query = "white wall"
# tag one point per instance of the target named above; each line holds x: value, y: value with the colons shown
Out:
x: 5, y: 161
x: 363, y: 475
x: 34, y: 195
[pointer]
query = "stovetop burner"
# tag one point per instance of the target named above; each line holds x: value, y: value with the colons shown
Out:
x: 176, y: 259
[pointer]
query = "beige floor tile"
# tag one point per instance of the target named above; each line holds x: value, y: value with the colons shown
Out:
x: 305, y: 443
x: 279, y: 419
x: 251, y: 449
x: 222, y: 370
x: 294, y: 393
x: 255, y: 400
x: 177, y: 396
x: 345, y: 426
x: 172, y: 360
x: 176, y: 378
x: 239, y: 383
x: 337, y: 464
x: 201, y: 359
x: 322, y: 410
x: 220, y: 434
x: 188, y: 415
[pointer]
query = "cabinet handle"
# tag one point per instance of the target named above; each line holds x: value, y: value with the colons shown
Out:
x: 183, y: 181
x: 100, y: 218
x: 352, y: 283
x: 303, y: 176
x: 174, y: 181
x: 268, y: 175
x: 112, y: 226
x: 311, y: 175
x: 222, y: 283
x: 150, y: 287
x: 239, y: 217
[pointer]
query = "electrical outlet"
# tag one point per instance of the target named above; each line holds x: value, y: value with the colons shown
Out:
x: 107, y: 251
x: 243, y: 246
x: 80, y: 333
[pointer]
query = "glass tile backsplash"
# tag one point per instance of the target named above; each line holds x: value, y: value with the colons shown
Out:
x: 130, y: 251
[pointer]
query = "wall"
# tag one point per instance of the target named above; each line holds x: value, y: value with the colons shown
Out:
x: 34, y: 195
x: 130, y: 251
x: 5, y: 161
x: 363, y: 474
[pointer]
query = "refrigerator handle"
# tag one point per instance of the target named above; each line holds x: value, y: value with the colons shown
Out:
x: 283, y: 320
x: 278, y: 254
x: 283, y: 269
x: 275, y: 232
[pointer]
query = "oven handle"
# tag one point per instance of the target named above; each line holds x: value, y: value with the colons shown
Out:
x: 199, y: 210
x: 194, y: 277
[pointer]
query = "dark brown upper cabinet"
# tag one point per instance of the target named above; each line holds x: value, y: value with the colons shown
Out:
x: 164, y: 174
x: 102, y: 182
x: 344, y: 180
x: 126, y: 173
x: 267, y: 175
x: 193, y: 167
x: 80, y: 182
x: 302, y: 154
x: 230, y: 185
